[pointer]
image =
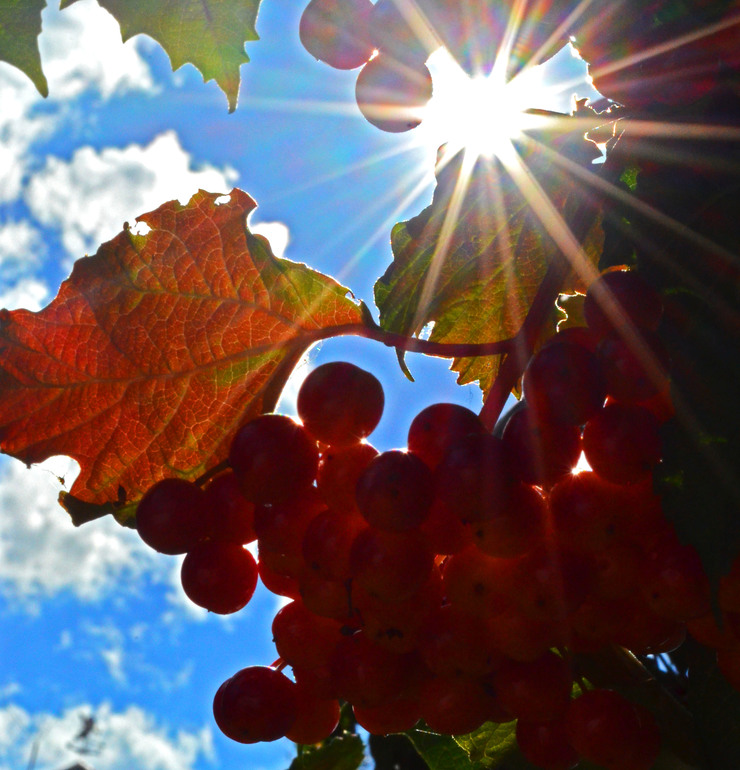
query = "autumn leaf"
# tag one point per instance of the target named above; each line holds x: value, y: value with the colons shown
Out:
x: 158, y: 347
x: 20, y: 26
x: 472, y: 261
x: 209, y: 34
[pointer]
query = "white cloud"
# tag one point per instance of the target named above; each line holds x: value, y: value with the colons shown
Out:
x: 276, y: 232
x: 19, y: 129
x: 182, y: 607
x: 125, y: 655
x: 29, y: 293
x: 113, y: 659
x: 113, y: 653
x: 90, y: 197
x: 10, y: 689
x: 13, y: 722
x: 125, y: 739
x: 42, y: 553
x: 81, y: 48
x: 20, y: 246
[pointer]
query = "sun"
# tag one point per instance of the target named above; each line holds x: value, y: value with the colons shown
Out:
x: 482, y: 114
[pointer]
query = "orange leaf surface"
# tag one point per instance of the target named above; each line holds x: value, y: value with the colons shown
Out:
x: 157, y: 348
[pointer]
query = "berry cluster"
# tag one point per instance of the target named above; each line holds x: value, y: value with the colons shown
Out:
x: 455, y: 580
x: 394, y: 84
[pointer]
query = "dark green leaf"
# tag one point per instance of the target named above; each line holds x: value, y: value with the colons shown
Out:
x: 207, y: 33
x: 344, y: 752
x: 471, y: 263
x: 441, y: 752
x: 20, y: 26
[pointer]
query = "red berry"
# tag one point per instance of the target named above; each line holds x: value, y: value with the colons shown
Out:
x: 273, y: 458
x: 474, y: 478
x: 340, y: 404
x: 171, y: 517
x: 316, y: 717
x: 400, y: 31
x: 545, y: 744
x: 562, y: 383
x: 326, y: 598
x: 601, y: 726
x: 620, y: 297
x: 303, y: 638
x: 455, y: 705
x: 674, y: 583
x: 534, y: 690
x: 336, y: 32
x: 281, y: 527
x: 282, y: 585
x: 477, y: 583
x: 553, y: 582
x: 394, y: 492
x: 339, y: 470
x: 365, y: 674
x: 327, y: 542
x: 219, y: 576
x: 541, y: 451
x: 256, y: 704
x: 453, y: 642
x: 230, y: 514
x: 391, y: 94
x: 437, y: 427
x: 390, y: 566
x: 515, y: 527
x: 397, y: 626
x: 622, y: 443
x: 634, y: 369
x: 395, y: 716
x: 588, y: 512
x: 444, y: 531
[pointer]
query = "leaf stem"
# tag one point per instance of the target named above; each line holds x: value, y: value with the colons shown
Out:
x: 415, y: 344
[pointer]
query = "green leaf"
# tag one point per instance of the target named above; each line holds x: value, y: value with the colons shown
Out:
x: 494, y: 745
x: 472, y: 261
x: 441, y: 752
x: 344, y: 752
x: 209, y: 34
x: 20, y: 26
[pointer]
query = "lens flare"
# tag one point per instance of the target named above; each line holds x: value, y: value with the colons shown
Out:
x: 483, y: 114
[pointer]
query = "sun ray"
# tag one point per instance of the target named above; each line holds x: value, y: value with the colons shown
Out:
x: 561, y: 32
x: 605, y: 187
x: 631, y: 334
x: 441, y: 248
x: 666, y: 47
x: 346, y: 171
x: 381, y: 231
x: 545, y: 210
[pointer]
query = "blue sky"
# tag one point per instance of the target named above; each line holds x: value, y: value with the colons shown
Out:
x: 91, y: 621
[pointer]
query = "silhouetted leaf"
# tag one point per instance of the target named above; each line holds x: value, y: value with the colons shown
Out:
x: 207, y: 33
x: 20, y: 26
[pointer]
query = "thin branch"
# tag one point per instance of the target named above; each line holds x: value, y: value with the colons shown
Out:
x: 414, y: 344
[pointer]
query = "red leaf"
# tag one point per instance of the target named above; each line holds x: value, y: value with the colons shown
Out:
x: 158, y: 347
